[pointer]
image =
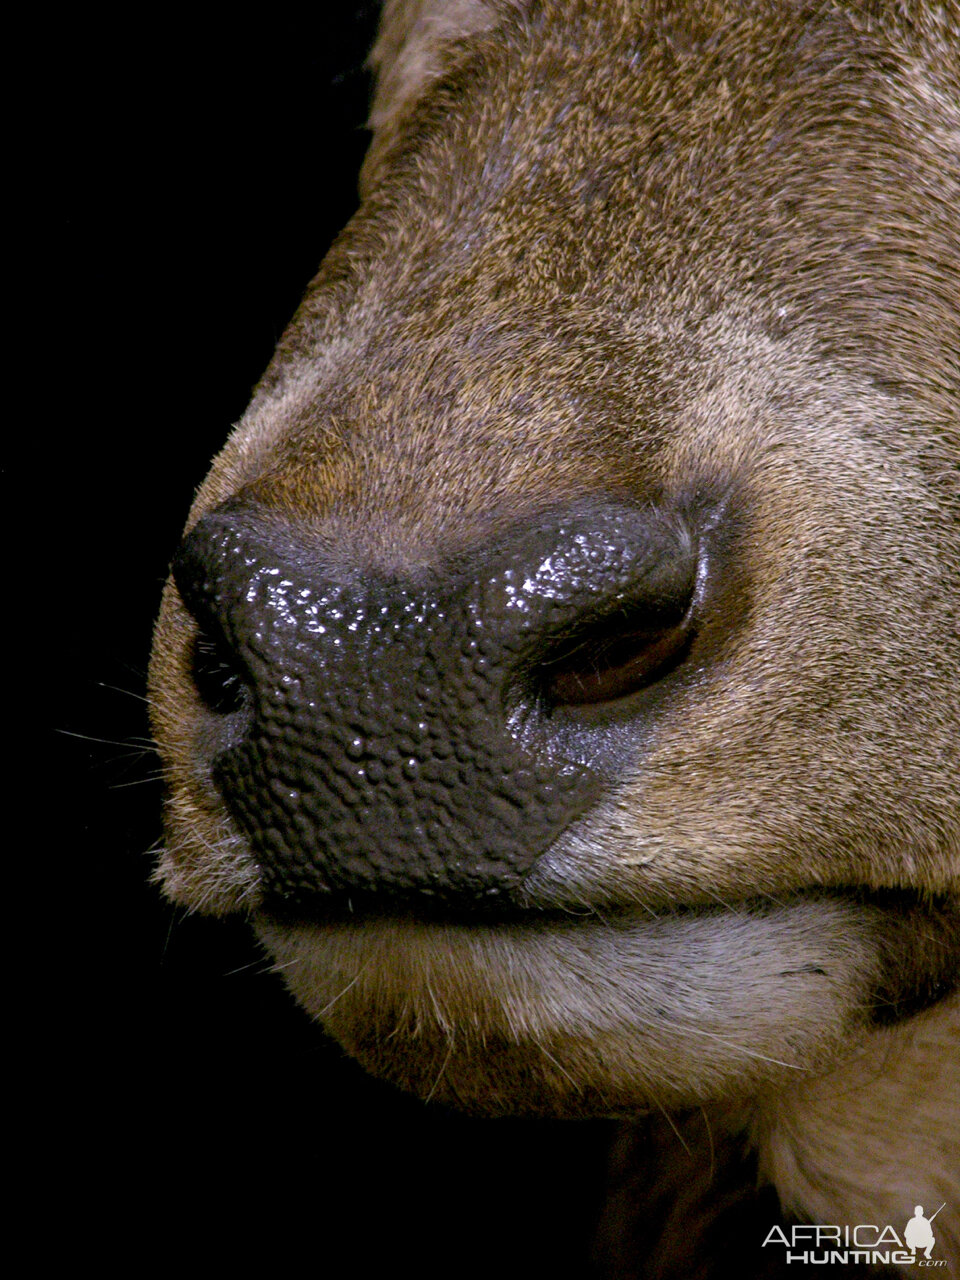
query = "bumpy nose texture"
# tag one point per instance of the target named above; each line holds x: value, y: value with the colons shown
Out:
x: 381, y: 754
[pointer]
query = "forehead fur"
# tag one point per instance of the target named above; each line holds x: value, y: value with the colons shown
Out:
x: 727, y: 166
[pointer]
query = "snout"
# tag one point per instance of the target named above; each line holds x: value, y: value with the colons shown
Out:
x: 426, y: 732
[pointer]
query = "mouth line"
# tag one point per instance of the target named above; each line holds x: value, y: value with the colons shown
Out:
x: 341, y: 908
x: 895, y: 952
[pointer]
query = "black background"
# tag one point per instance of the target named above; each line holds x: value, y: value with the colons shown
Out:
x: 197, y: 171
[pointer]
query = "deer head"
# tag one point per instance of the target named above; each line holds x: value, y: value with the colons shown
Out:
x: 561, y: 663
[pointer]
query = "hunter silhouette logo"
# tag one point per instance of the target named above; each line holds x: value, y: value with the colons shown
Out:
x: 866, y: 1242
x: 918, y: 1233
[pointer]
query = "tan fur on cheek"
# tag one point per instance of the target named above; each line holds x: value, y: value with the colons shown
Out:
x: 869, y: 1141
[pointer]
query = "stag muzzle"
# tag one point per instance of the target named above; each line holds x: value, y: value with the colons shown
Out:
x: 407, y: 732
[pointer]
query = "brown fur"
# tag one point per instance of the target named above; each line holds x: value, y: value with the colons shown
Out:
x: 652, y: 250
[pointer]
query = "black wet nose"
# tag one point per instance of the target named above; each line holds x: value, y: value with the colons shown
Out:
x: 391, y: 734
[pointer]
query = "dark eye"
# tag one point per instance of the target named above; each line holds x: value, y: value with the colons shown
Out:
x: 612, y: 658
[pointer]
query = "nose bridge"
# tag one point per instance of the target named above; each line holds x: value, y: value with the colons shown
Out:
x: 378, y: 754
x: 450, y: 413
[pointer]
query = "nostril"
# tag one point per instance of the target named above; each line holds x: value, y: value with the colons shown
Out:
x: 612, y: 657
x: 217, y: 675
x: 210, y: 576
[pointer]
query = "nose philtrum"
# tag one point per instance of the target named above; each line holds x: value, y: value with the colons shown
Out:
x: 381, y: 752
